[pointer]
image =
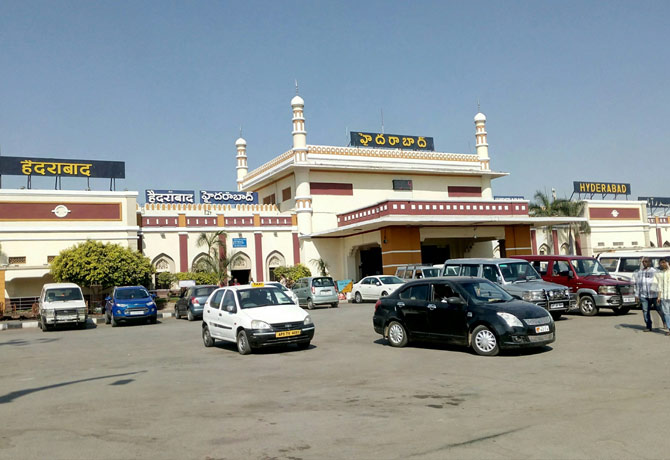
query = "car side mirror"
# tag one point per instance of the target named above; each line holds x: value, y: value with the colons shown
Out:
x: 108, y: 298
x: 456, y: 301
x: 378, y: 283
x: 153, y: 296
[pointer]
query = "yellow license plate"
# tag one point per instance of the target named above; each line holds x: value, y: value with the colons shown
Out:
x: 287, y: 333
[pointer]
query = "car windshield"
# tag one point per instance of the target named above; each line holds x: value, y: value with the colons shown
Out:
x: 391, y: 280
x: 134, y: 293
x: 431, y: 272
x: 262, y: 297
x: 586, y: 267
x: 204, y: 291
x: 518, y: 271
x: 63, y: 295
x: 483, y: 292
x: 322, y: 282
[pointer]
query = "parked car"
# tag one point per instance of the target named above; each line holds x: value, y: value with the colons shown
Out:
x: 62, y: 303
x: 192, y: 301
x: 518, y: 278
x: 467, y: 311
x: 588, y: 280
x: 417, y: 271
x: 374, y: 287
x: 130, y: 303
x: 255, y: 316
x: 622, y: 264
x: 316, y: 290
x: 286, y: 290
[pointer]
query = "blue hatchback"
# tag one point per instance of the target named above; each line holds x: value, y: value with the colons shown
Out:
x: 130, y: 303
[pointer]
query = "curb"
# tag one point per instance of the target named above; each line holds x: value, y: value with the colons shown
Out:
x: 36, y: 324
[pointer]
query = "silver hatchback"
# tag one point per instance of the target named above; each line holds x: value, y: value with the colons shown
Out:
x: 316, y: 290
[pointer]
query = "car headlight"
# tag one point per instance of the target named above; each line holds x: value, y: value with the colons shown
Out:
x: 150, y: 304
x: 49, y: 313
x: 256, y: 324
x: 308, y: 320
x: 510, y: 319
x: 607, y: 290
x: 530, y: 296
x: 81, y: 311
x: 551, y: 319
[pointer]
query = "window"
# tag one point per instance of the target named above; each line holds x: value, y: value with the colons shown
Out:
x: 323, y: 282
x: 469, y: 270
x: 400, y: 273
x: 17, y: 260
x: 490, y: 272
x: 629, y: 264
x: 50, y: 259
x: 216, y: 300
x: 451, y: 270
x: 286, y: 194
x: 541, y: 266
x: 228, y: 300
x: 270, y: 199
x: 416, y: 292
x: 366, y: 281
x: 442, y: 292
x: 610, y: 263
x: 402, y: 184
x: 561, y: 268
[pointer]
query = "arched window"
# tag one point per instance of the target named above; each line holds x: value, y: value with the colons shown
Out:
x: 544, y: 249
x: 565, y: 249
x: 163, y: 263
x: 201, y: 263
x: 274, y: 260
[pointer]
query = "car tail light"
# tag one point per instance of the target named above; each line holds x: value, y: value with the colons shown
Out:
x: 194, y: 301
x: 313, y: 290
x: 378, y: 304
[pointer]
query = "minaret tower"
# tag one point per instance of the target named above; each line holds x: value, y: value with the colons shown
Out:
x: 242, y: 167
x: 481, y: 145
x: 303, y: 196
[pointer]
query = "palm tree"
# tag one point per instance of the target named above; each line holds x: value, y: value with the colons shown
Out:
x: 570, y: 208
x: 215, y: 261
x: 321, y: 265
x: 542, y: 206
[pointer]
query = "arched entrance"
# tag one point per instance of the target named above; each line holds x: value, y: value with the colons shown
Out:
x: 240, y: 268
x: 369, y: 260
x: 274, y: 260
x: 162, y: 263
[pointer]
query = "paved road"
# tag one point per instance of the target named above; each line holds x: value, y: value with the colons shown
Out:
x: 153, y: 391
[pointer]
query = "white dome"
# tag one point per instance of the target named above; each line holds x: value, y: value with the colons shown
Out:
x: 480, y: 117
x: 240, y: 141
x: 297, y: 100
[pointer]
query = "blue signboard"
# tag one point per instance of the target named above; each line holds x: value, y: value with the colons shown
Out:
x: 170, y: 196
x: 217, y: 197
x: 239, y: 242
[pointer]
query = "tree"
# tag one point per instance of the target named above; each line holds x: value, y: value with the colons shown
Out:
x: 215, y: 261
x: 105, y: 264
x: 571, y: 208
x: 321, y: 265
x: 292, y: 274
x: 542, y: 206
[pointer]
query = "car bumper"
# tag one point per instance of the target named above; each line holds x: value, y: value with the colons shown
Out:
x: 613, y: 301
x: 326, y: 299
x: 526, y: 337
x: 128, y: 316
x: 269, y: 338
x: 65, y: 319
x: 555, y: 305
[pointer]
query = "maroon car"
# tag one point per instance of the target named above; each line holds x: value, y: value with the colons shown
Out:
x: 588, y: 280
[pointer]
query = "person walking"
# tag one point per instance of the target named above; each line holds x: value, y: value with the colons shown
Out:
x: 646, y: 290
x: 663, y: 282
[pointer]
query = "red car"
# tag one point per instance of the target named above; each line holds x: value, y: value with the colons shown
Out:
x: 588, y: 280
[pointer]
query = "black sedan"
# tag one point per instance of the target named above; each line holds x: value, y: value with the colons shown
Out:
x: 467, y: 311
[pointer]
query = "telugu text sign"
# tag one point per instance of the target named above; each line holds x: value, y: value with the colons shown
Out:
x: 391, y: 141
x: 170, y: 196
x: 218, y: 197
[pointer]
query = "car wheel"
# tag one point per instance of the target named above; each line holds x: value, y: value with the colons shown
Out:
x: 43, y: 323
x: 114, y: 321
x: 82, y: 325
x: 397, y: 335
x: 177, y: 315
x: 484, y: 341
x: 310, y: 304
x: 384, y: 294
x: 243, y: 345
x: 358, y: 298
x: 206, y: 337
x: 587, y: 306
x: 556, y: 315
x: 621, y: 310
x: 189, y: 315
x: 107, y: 320
x: 153, y: 319
x: 303, y: 345
x: 335, y: 305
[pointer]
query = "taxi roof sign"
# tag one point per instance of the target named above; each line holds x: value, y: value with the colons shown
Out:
x: 257, y: 284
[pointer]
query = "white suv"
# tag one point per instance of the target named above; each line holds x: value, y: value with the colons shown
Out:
x: 62, y: 303
x: 255, y: 316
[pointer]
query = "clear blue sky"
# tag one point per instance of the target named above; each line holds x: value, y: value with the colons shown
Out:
x: 572, y: 90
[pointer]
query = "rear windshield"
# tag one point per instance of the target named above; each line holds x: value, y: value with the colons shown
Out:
x: 128, y: 294
x: 322, y: 282
x: 451, y: 270
x: 431, y: 272
x: 63, y: 294
x: 204, y: 291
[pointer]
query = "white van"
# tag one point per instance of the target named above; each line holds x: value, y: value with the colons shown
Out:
x: 62, y: 303
x: 622, y: 264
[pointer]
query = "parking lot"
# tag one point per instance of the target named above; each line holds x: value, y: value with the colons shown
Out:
x: 153, y: 391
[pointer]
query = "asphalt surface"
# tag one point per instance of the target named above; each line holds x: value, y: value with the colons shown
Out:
x: 153, y: 391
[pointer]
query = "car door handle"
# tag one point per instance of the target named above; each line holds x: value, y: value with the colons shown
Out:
x: 400, y: 304
x: 219, y: 314
x: 432, y: 306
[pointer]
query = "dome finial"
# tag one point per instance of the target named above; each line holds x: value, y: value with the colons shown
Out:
x: 296, y: 86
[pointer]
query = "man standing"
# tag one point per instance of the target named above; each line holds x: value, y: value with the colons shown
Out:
x: 663, y: 282
x: 646, y: 290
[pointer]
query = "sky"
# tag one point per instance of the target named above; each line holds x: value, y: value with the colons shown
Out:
x: 572, y: 91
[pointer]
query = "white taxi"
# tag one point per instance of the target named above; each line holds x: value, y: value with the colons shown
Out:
x: 253, y: 316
